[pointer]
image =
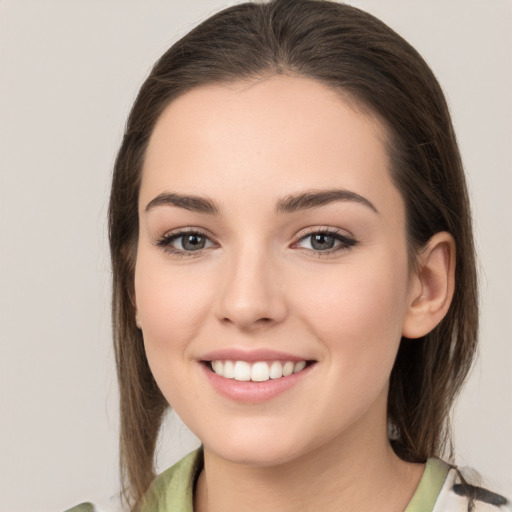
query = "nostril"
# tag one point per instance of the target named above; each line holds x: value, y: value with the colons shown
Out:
x: 259, y: 321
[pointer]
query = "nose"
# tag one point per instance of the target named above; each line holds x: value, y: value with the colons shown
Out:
x: 251, y: 293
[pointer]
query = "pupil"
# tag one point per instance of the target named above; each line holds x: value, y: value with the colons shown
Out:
x: 193, y: 242
x: 322, y: 242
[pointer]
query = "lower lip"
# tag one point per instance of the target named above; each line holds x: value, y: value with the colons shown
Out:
x: 253, y: 392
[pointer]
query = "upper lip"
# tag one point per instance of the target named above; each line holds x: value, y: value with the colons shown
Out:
x: 234, y: 354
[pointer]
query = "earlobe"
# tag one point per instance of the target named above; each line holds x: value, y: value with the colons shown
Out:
x: 133, y: 300
x: 433, y: 286
x: 138, y: 323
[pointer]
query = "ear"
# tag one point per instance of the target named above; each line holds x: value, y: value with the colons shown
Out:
x: 137, y: 319
x: 133, y: 299
x: 431, y: 287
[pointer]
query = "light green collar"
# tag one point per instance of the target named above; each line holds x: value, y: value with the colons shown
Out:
x: 173, y: 490
x: 429, y: 487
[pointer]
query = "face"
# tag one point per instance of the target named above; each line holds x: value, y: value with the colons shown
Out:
x: 271, y: 279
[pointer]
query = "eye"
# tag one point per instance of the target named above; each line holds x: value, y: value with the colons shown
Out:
x: 325, y: 241
x: 191, y: 242
x: 185, y: 242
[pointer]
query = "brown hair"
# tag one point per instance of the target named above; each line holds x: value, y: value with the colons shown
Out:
x: 358, y: 55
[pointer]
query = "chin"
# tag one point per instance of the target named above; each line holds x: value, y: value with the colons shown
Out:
x: 254, y: 448
x: 262, y: 446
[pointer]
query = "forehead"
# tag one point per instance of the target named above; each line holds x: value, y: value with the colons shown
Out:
x: 281, y: 130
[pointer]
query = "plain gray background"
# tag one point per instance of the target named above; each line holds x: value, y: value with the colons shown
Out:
x: 69, y: 71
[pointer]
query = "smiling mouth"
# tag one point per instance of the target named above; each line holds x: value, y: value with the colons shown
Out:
x: 257, y: 371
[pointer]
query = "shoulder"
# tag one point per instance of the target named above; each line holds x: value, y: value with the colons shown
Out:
x: 174, y: 488
x: 171, y: 490
x: 83, y: 507
x: 458, y: 495
x: 442, y: 488
x: 110, y: 504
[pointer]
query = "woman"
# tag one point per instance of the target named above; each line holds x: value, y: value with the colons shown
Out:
x: 294, y: 269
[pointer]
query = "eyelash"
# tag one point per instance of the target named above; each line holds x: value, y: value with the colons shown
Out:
x: 344, y: 241
x: 166, y: 243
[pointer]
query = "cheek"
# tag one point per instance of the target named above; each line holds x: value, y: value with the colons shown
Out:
x: 171, y: 304
x: 171, y: 307
x: 357, y: 313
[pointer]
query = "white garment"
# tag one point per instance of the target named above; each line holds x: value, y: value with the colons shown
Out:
x: 449, y: 500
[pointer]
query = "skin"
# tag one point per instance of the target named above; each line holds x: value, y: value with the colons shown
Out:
x: 259, y: 284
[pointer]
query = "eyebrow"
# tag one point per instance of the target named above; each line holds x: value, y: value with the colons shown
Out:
x: 289, y: 204
x: 316, y: 198
x: 193, y: 203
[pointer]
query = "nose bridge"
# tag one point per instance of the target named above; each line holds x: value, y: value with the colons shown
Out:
x: 251, y: 293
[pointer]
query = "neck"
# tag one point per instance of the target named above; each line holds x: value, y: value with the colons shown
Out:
x: 341, y: 475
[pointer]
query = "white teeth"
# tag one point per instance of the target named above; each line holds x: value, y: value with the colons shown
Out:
x: 288, y: 368
x: 229, y: 370
x: 276, y: 370
x: 259, y: 371
x: 242, y: 371
x: 299, y: 366
x: 217, y: 367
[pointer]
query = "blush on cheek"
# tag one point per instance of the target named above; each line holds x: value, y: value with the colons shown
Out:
x: 355, y: 312
x: 170, y: 302
x: 171, y: 321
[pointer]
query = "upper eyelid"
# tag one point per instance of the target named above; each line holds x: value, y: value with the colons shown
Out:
x: 177, y: 232
x: 324, y: 229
